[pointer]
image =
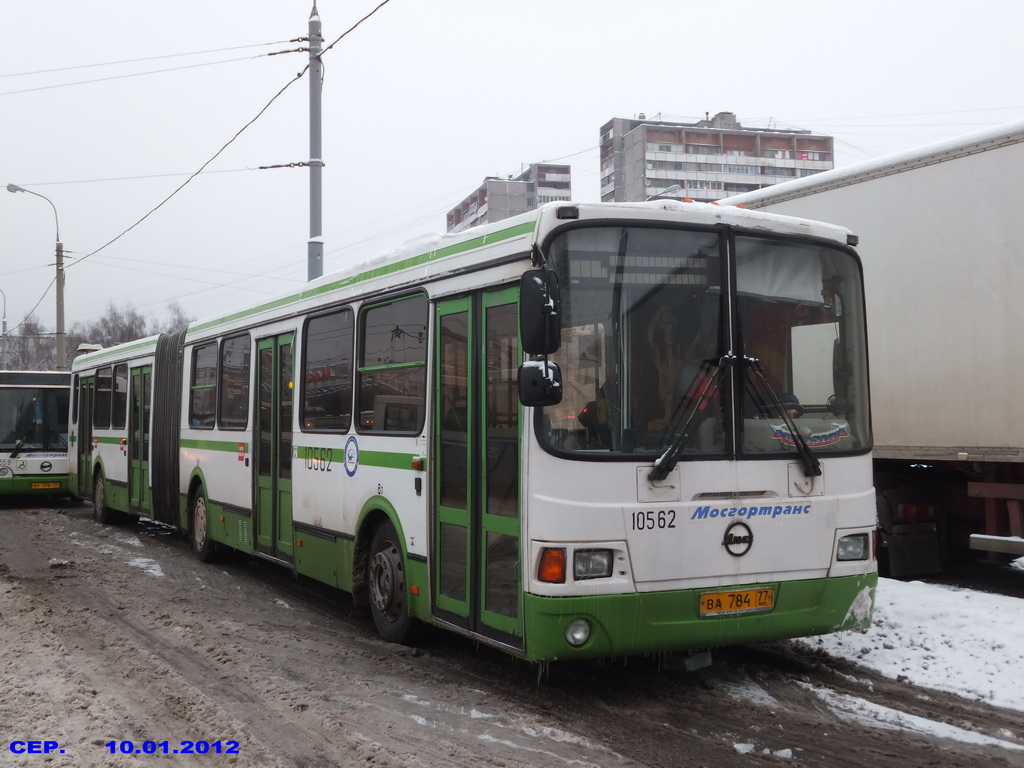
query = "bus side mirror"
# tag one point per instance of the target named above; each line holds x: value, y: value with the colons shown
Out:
x: 540, y: 383
x: 540, y: 322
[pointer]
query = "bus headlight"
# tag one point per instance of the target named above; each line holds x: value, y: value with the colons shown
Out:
x: 577, y: 633
x: 592, y: 564
x: 853, y: 547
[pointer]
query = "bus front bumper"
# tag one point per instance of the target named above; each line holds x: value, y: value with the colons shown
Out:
x: 664, y: 622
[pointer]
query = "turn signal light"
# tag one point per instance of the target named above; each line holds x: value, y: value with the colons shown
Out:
x: 915, y: 512
x: 552, y: 566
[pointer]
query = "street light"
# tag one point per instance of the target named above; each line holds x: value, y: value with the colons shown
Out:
x: 62, y: 355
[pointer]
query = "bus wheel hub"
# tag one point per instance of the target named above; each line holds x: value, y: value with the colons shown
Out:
x: 386, y: 583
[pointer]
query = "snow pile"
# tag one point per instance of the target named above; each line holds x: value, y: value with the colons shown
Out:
x: 940, y: 637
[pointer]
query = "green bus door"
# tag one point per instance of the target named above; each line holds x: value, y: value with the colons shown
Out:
x: 477, y: 557
x: 273, y: 445
x: 83, y: 445
x: 138, y: 429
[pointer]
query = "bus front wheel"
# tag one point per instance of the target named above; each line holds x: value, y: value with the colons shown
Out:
x: 389, y: 601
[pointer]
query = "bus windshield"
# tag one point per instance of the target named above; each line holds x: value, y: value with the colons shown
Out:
x: 656, y: 353
x: 33, y: 419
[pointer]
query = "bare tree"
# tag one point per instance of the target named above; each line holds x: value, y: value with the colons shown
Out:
x: 32, y: 348
x: 117, y: 325
x: 176, y: 320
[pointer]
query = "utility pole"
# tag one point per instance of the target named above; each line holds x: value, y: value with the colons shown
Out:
x: 3, y: 338
x: 62, y: 337
x: 315, y: 249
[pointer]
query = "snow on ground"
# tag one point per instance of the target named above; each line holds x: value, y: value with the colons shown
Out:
x: 877, y: 716
x: 946, y: 638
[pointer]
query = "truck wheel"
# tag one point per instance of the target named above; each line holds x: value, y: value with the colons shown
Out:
x: 200, y: 538
x: 101, y: 513
x: 389, y: 602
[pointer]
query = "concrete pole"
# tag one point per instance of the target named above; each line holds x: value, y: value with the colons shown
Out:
x: 62, y: 339
x: 315, y: 250
x: 3, y: 337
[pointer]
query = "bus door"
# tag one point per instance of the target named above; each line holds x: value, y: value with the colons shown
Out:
x: 138, y: 431
x: 83, y: 444
x: 273, y: 446
x: 477, y: 572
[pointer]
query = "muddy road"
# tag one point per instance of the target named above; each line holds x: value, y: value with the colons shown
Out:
x: 116, y: 634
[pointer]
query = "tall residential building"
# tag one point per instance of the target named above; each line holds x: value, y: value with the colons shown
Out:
x: 708, y: 159
x: 497, y: 199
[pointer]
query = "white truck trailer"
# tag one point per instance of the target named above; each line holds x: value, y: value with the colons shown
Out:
x: 941, y: 233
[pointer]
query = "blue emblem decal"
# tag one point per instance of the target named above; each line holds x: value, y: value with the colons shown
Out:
x: 351, y: 456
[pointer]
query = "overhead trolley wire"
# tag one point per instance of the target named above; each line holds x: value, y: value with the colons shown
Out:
x: 201, y: 169
x: 232, y: 139
x: 216, y: 154
x: 132, y: 74
x: 34, y: 308
x: 146, y: 58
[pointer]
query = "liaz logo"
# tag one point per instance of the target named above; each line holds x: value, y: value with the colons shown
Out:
x: 815, y: 440
x: 738, y: 539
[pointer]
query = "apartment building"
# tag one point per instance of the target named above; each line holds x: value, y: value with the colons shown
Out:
x: 498, y: 199
x: 705, y: 160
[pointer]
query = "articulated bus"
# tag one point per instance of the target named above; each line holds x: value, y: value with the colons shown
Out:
x: 592, y: 430
x: 34, y: 433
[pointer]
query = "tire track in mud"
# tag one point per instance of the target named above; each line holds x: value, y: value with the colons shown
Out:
x: 290, y: 667
x: 798, y: 706
x: 204, y: 647
x: 779, y: 702
x: 148, y: 688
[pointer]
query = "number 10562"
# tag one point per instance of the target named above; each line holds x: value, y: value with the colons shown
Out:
x: 649, y: 520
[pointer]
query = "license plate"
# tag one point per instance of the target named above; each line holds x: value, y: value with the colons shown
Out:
x: 44, y: 486
x: 737, y: 601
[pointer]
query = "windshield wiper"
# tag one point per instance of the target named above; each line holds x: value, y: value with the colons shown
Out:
x: 701, y: 388
x: 812, y: 467
x: 17, y: 446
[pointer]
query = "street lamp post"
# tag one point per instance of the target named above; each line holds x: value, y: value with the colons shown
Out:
x: 62, y: 354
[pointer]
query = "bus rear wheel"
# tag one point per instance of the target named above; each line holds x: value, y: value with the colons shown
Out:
x: 389, y: 601
x: 200, y: 537
x: 103, y: 514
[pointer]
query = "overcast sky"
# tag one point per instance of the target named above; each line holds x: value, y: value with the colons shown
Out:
x: 421, y: 102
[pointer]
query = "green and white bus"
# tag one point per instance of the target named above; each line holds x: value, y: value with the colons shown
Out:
x: 34, y: 433
x: 591, y: 430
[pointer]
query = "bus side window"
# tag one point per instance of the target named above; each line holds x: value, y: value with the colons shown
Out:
x: 235, y: 355
x: 393, y: 366
x: 119, y: 397
x: 327, y: 376
x: 203, y: 401
x: 101, y: 404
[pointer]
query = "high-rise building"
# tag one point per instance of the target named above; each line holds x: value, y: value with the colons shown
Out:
x: 497, y: 199
x: 705, y: 160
